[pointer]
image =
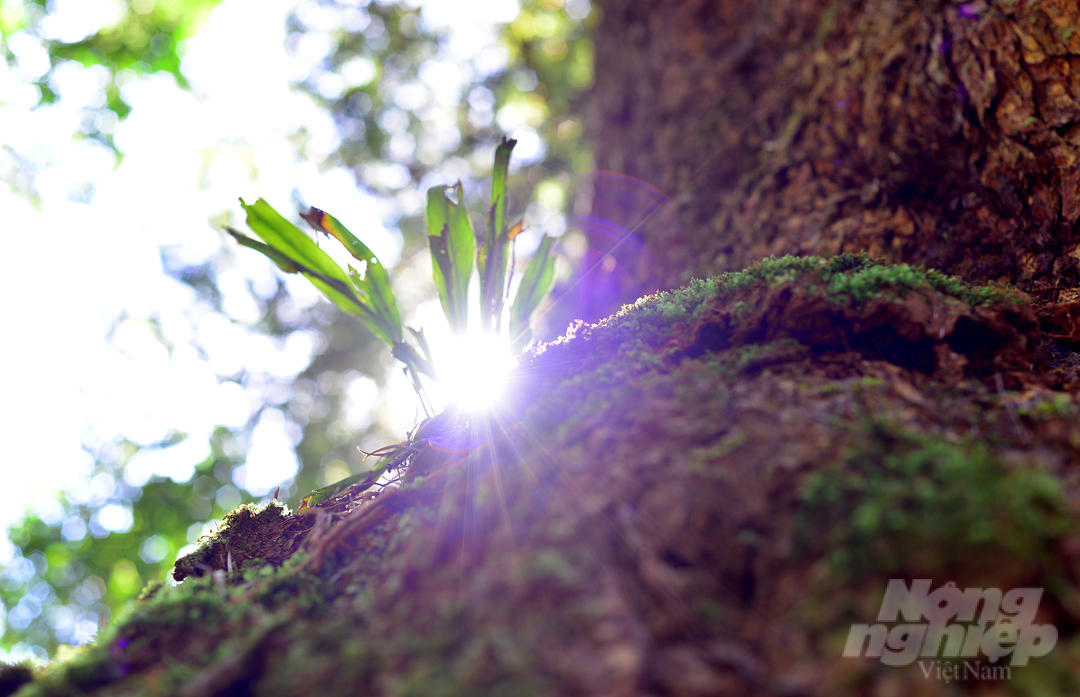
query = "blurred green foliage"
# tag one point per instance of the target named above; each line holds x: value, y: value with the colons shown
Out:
x: 76, y: 562
x: 377, y: 82
x: 144, y: 40
x: 81, y: 559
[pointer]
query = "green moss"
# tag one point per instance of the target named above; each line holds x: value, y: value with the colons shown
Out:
x: 1057, y: 405
x: 636, y: 332
x: 238, y: 516
x: 857, y: 277
x: 292, y: 583
x: 753, y: 357
x: 710, y: 460
x: 187, y: 623
x: 1054, y: 676
x: 387, y: 616
x: 709, y: 608
x: 871, y: 280
x: 901, y: 504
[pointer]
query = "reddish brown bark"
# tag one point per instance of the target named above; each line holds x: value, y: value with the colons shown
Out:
x: 936, y: 133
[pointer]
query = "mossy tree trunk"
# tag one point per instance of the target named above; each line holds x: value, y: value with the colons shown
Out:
x: 920, y: 131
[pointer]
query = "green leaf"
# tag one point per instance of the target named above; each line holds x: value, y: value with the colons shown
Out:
x: 374, y: 285
x: 288, y: 239
x: 295, y: 252
x: 492, y: 255
x: 361, y: 481
x: 535, y: 284
x: 283, y: 262
x: 421, y: 341
x: 433, y: 427
x: 412, y: 358
x: 453, y: 244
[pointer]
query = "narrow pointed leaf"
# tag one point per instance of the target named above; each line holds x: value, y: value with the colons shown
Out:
x: 289, y: 240
x: 535, y: 284
x: 294, y: 251
x: 283, y: 262
x: 342, y: 293
x: 374, y: 285
x: 492, y: 256
x: 412, y: 358
x: 462, y: 249
x: 437, y: 213
x: 453, y: 244
x: 421, y: 341
x: 361, y: 482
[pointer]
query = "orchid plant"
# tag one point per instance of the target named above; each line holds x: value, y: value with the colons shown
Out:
x: 367, y: 293
x: 456, y: 251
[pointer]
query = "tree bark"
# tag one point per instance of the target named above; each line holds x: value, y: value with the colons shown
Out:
x: 936, y: 133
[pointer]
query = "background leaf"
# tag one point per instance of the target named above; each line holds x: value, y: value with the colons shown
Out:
x: 492, y: 254
x: 453, y: 244
x: 535, y: 284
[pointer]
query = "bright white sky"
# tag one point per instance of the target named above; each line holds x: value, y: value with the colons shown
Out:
x: 71, y: 270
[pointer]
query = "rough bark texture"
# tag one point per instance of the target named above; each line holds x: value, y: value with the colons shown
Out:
x: 698, y: 497
x: 927, y: 132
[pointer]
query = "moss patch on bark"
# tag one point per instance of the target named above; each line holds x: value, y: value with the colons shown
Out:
x: 697, y: 496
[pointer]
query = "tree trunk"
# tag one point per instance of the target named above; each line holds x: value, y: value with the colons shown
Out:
x: 723, y: 490
x: 936, y: 133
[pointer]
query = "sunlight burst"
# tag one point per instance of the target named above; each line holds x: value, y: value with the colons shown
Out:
x: 473, y: 369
